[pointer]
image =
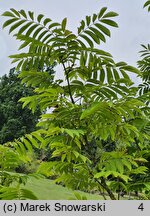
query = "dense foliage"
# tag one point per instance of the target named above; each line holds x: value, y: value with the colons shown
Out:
x: 144, y: 65
x: 15, y: 121
x: 98, y: 125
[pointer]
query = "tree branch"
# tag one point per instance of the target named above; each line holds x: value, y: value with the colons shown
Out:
x: 67, y: 78
x: 103, y: 184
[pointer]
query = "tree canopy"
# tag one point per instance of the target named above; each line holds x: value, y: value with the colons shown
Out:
x: 15, y: 121
x: 98, y: 127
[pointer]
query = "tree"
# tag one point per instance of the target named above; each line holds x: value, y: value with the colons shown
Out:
x: 15, y: 121
x: 96, y: 112
x: 144, y: 95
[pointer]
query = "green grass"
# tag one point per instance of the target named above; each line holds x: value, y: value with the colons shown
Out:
x: 46, y: 189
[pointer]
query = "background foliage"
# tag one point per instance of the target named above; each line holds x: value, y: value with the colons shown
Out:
x: 15, y: 121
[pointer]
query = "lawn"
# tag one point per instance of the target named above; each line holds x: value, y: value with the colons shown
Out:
x: 46, y: 189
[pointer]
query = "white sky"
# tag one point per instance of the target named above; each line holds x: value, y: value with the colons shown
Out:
x: 124, y: 44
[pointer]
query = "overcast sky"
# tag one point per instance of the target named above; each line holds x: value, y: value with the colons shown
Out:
x: 124, y: 44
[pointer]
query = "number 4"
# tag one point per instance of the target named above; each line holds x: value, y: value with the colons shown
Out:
x: 141, y: 207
